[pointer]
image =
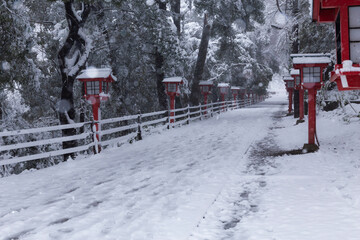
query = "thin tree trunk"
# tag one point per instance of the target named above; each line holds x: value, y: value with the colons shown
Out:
x: 74, y: 47
x: 295, y: 49
x: 200, y: 63
x: 175, y: 8
x: 159, y: 63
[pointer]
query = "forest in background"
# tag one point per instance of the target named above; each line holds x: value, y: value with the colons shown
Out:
x: 143, y: 41
x: 44, y: 45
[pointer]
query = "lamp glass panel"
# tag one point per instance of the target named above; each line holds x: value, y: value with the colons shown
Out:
x: 172, y: 87
x: 354, y: 13
x: 311, y: 74
x: 297, y: 79
x: 355, y: 52
x: 104, y: 87
x: 291, y: 84
x: 92, y: 88
x: 223, y: 90
x: 354, y: 32
x: 205, y: 89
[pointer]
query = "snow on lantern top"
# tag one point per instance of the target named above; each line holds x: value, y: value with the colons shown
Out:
x: 205, y: 86
x: 311, y: 58
x: 223, y: 87
x: 172, y: 85
x: 294, y: 72
x: 97, y: 73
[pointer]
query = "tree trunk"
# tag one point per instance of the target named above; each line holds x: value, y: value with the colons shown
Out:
x: 159, y: 63
x: 200, y: 63
x: 175, y: 8
x: 295, y: 49
x: 75, y: 47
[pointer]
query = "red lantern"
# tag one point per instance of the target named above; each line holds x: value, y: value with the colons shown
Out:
x: 205, y: 88
x: 295, y: 73
x: 96, y: 85
x: 289, y: 84
x: 311, y: 70
x: 224, y: 89
x: 345, y: 15
x: 172, y: 90
x: 235, y: 92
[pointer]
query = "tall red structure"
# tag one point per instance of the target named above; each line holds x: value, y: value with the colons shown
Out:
x: 224, y: 89
x: 289, y: 84
x: 172, y: 90
x: 345, y: 14
x: 205, y: 88
x: 311, y: 70
x: 235, y: 93
x: 96, y: 90
x: 295, y: 73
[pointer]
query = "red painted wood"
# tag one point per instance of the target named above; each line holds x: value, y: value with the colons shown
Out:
x: 172, y: 107
x: 290, y: 100
x: 301, y: 101
x: 312, y: 116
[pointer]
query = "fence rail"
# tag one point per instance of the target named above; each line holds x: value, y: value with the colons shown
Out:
x: 112, y: 131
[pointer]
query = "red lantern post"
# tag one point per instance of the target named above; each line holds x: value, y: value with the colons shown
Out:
x: 311, y: 68
x: 205, y: 88
x: 172, y: 90
x: 224, y: 88
x: 96, y: 85
x: 295, y: 73
x: 289, y: 84
x: 345, y: 15
x: 235, y: 93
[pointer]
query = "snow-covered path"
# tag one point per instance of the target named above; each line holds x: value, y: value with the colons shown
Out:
x: 222, y: 178
x: 158, y: 188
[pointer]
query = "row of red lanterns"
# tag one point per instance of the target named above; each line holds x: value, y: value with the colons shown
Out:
x: 308, y: 68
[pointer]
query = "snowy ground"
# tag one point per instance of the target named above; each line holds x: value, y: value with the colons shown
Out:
x: 222, y: 178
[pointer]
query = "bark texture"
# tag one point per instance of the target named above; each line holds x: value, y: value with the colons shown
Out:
x: 73, y: 48
x: 200, y: 63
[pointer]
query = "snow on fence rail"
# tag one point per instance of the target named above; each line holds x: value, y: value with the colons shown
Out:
x: 112, y: 131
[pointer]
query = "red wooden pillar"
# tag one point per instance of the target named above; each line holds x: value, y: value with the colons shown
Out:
x: 290, y: 100
x: 312, y: 115
x: 172, y: 108
x: 97, y: 116
x: 301, y: 100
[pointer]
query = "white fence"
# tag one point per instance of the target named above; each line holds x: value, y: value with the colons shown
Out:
x: 113, y: 131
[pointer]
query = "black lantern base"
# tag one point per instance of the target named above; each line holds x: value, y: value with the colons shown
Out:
x: 309, y: 148
x: 300, y: 121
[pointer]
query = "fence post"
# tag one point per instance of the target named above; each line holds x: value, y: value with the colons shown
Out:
x: 139, y: 137
x: 188, y: 114
x: 93, y: 128
x: 200, y: 111
x: 169, y: 124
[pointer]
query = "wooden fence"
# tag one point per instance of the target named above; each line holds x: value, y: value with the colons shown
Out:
x: 113, y: 131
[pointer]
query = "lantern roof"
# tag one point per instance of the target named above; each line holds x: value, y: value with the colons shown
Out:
x: 235, y: 88
x: 173, y: 80
x: 311, y: 58
x: 206, y: 83
x: 96, y: 73
x: 294, y: 72
x: 288, y: 78
x: 224, y: 85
